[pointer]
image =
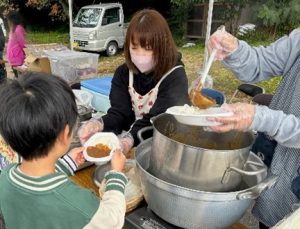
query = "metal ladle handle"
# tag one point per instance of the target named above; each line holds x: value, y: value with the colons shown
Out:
x: 209, y: 63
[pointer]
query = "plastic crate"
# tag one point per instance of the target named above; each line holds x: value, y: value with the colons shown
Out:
x: 100, y: 88
x: 73, y: 66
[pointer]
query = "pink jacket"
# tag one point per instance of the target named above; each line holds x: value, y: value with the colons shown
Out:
x: 15, y: 45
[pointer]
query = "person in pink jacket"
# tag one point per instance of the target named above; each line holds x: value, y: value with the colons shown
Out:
x: 16, y: 42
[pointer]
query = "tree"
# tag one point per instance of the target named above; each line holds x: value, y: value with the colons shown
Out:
x: 58, y: 9
x: 180, y: 10
x: 278, y: 15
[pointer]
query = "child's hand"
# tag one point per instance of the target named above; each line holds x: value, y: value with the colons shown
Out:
x: 118, y: 160
x: 77, y: 155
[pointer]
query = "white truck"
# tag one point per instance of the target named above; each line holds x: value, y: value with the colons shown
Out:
x: 100, y: 27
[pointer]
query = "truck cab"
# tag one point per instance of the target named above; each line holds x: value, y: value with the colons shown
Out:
x: 100, y: 27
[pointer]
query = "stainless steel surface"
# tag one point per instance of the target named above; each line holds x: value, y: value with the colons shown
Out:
x: 194, y: 209
x: 191, y: 157
x: 84, y: 113
x: 100, y: 171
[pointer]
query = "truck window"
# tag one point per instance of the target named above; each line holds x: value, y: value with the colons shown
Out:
x: 111, y: 16
x: 87, y: 17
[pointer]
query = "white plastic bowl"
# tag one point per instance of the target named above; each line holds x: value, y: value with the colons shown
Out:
x: 195, y: 118
x: 109, y: 139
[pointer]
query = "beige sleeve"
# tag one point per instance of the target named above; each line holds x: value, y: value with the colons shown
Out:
x: 111, y: 212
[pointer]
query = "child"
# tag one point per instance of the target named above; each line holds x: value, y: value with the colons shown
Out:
x: 16, y: 42
x: 40, y: 116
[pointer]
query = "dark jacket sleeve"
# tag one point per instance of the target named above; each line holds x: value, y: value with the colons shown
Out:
x: 173, y: 91
x: 120, y: 116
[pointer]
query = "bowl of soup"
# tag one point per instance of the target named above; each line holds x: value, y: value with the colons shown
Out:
x: 100, y: 147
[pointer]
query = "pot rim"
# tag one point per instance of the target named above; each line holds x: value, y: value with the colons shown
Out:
x: 200, y: 148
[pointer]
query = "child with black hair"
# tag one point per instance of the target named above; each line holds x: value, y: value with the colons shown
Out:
x: 39, y: 118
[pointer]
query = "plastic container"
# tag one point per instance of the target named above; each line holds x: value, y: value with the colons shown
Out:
x: 100, y: 88
x: 73, y: 66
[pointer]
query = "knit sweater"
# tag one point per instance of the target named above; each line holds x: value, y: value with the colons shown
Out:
x: 172, y: 91
x: 54, y: 201
x: 280, y: 120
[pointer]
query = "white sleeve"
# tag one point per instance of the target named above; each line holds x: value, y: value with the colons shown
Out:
x: 3, y: 27
x: 111, y: 212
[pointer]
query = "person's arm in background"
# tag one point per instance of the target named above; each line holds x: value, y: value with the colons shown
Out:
x: 173, y: 91
x: 120, y: 115
x: 284, y: 128
x: 260, y: 63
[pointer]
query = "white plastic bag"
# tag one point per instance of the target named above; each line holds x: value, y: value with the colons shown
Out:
x: 83, y: 98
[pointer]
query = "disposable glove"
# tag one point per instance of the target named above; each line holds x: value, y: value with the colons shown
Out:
x: 90, y: 128
x: 242, y: 118
x: 224, y: 43
x: 126, y: 143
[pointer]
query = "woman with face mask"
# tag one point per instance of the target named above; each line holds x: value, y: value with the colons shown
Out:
x: 152, y: 80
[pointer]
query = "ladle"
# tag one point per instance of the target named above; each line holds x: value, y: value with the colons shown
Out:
x: 197, y: 98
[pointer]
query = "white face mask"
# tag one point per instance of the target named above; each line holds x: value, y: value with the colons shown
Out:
x: 143, y: 63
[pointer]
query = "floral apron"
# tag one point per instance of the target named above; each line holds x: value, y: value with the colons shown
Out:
x: 141, y: 104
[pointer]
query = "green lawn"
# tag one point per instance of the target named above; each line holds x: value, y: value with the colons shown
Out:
x: 192, y: 57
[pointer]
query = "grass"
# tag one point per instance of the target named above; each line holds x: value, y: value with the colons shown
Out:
x: 223, y: 79
x: 37, y: 37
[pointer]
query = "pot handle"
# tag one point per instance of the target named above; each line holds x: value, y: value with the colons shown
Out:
x: 254, y: 192
x: 141, y: 131
x: 226, y: 175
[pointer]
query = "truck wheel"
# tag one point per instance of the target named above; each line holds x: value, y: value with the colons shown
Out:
x: 112, y: 48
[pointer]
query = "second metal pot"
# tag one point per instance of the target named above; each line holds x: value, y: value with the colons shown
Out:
x: 195, y: 209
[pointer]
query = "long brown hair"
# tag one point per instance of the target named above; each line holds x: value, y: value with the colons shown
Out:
x: 150, y: 29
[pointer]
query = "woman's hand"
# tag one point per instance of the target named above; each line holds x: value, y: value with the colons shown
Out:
x: 224, y: 43
x: 242, y: 118
x: 118, y: 161
x: 126, y: 144
x: 89, y: 128
x: 77, y: 155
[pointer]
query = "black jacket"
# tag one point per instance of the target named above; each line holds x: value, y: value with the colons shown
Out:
x: 2, y: 40
x: 172, y: 91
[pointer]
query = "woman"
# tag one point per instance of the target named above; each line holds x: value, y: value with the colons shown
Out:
x: 152, y: 80
x: 280, y: 121
x: 16, y: 42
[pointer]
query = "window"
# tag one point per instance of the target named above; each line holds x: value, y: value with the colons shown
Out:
x: 88, y: 17
x: 111, y: 16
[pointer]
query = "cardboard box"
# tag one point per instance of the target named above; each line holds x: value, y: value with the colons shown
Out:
x: 36, y: 58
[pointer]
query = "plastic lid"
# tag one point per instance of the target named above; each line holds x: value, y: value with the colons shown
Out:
x: 101, y: 85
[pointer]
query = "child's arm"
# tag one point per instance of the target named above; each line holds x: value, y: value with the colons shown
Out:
x: 68, y: 163
x: 112, y: 208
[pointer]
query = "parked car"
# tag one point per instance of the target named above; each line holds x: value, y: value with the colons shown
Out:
x: 100, y: 27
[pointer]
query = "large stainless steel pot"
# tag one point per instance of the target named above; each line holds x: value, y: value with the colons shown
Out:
x: 194, y: 158
x: 195, y: 209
